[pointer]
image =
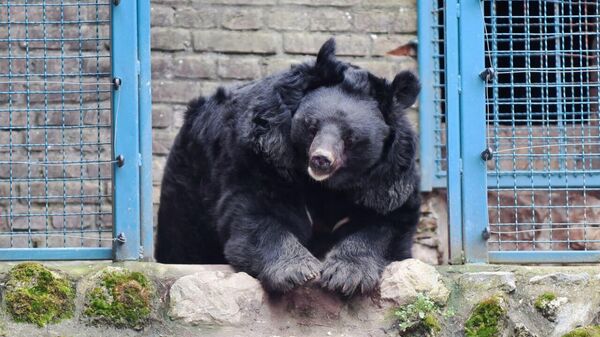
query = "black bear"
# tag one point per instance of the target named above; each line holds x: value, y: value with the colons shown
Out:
x: 306, y: 174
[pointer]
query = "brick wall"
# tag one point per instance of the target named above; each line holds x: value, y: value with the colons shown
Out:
x: 199, y: 45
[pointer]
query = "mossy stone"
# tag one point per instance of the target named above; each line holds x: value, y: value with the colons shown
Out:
x: 419, y: 318
x: 38, y: 295
x: 120, y: 298
x: 587, y: 331
x: 487, y: 318
x: 543, y: 300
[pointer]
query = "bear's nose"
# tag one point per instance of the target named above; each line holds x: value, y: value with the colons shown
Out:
x: 320, y: 163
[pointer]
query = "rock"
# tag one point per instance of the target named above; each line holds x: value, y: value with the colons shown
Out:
x: 560, y: 278
x: 548, y: 304
x: 215, y: 298
x: 501, y: 280
x: 522, y: 331
x: 402, y: 281
x: 571, y: 316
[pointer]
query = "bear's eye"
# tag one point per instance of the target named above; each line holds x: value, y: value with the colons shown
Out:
x: 351, y: 139
x: 312, y: 129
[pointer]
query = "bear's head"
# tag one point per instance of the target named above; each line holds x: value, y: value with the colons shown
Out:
x: 354, y: 134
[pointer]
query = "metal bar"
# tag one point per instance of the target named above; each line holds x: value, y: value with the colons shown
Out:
x: 522, y: 179
x: 472, y: 130
x: 125, y: 103
x: 426, y: 103
x: 47, y: 254
x: 535, y: 257
x: 145, y: 106
x: 454, y: 175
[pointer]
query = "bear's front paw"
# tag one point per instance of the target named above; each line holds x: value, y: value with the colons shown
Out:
x: 348, y: 277
x: 286, y: 274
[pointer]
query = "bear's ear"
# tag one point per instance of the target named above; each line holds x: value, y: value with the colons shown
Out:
x: 405, y: 89
x: 326, y: 53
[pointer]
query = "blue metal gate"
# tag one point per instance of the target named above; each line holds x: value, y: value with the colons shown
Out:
x: 522, y: 127
x: 75, y: 130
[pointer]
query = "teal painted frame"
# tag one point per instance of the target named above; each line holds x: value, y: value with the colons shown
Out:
x: 472, y: 130
x: 132, y: 130
x: 132, y: 139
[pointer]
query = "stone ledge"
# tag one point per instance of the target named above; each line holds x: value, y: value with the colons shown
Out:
x: 216, y: 301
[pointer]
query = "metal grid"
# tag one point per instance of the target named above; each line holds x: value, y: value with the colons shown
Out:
x: 543, y: 124
x: 55, y: 124
x: 439, y: 95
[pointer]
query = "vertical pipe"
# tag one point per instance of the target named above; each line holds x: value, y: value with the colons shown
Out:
x: 145, y: 106
x: 454, y: 175
x: 473, y: 130
x: 125, y: 107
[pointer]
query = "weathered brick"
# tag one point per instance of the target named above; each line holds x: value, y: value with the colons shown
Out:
x: 162, y: 16
x: 162, y: 141
x: 19, y: 219
x: 162, y: 66
x: 162, y: 116
x: 156, y: 195
x: 236, y: 42
x: 392, y: 3
x: 242, y: 18
x: 382, y: 44
x: 173, y: 3
x: 15, y: 118
x: 302, y: 43
x: 330, y: 20
x: 5, y: 141
x: 60, y: 192
x: 288, y: 19
x: 406, y: 22
x: 235, y: 2
x: 205, y: 17
x: 72, y: 217
x: 52, y: 139
x: 195, y: 66
x: 377, y: 21
x: 280, y: 64
x: 339, y: 3
x: 70, y: 115
x: 19, y: 168
x: 170, y: 39
x: 99, y: 66
x: 175, y: 91
x: 387, y: 68
x: 239, y: 68
x: 158, y: 164
x: 98, y: 115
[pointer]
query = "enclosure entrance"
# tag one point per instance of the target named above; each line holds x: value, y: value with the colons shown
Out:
x: 522, y: 131
x: 542, y: 124
x: 59, y: 104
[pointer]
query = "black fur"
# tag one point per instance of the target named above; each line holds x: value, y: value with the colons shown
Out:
x: 235, y: 188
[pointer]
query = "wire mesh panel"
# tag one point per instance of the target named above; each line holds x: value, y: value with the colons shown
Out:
x: 439, y: 97
x: 55, y: 124
x: 543, y: 124
x: 432, y: 104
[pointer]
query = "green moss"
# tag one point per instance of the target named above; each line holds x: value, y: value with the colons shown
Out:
x: 35, y: 294
x: 486, y: 319
x: 588, y: 331
x: 542, y: 301
x: 121, y: 298
x: 418, y: 318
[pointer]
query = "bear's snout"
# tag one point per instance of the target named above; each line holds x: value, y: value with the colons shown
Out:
x: 322, y: 162
x: 324, y: 157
